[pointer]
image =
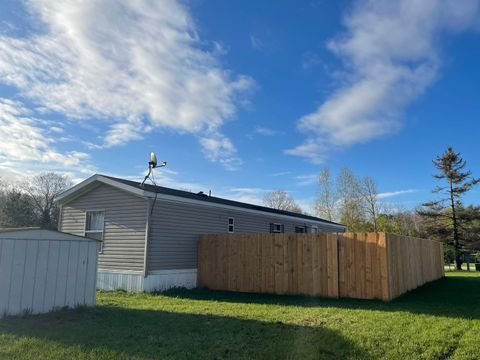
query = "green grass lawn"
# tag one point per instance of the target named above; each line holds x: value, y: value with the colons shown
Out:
x: 438, y: 321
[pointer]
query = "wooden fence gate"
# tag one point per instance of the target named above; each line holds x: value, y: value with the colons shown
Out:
x: 356, y: 265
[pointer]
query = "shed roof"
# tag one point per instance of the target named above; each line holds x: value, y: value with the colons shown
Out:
x: 39, y: 234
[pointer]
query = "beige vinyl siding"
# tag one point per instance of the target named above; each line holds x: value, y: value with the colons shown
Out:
x: 176, y: 226
x: 125, y: 224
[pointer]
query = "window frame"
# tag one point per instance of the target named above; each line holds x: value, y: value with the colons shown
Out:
x: 280, y: 226
x: 232, y: 225
x: 314, y: 229
x: 85, y: 231
x: 300, y: 227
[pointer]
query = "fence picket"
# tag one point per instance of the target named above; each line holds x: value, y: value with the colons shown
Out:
x: 358, y: 265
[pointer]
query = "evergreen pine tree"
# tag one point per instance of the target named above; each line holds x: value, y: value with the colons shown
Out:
x: 447, y: 219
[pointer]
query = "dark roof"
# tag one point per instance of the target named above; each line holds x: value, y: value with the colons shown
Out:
x: 216, y: 200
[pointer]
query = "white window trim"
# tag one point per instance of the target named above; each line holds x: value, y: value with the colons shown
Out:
x: 100, y: 251
x: 232, y: 225
x: 279, y: 230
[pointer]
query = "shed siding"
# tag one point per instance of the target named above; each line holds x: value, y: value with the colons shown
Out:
x: 125, y: 224
x: 34, y: 273
x: 175, y: 228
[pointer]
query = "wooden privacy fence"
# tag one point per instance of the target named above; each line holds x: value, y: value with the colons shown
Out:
x: 356, y: 265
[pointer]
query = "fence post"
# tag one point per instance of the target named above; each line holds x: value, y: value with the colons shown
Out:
x: 365, y: 265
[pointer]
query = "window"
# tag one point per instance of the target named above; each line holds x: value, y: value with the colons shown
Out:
x: 314, y: 229
x: 277, y: 228
x: 94, y: 221
x: 231, y: 225
x: 300, y: 229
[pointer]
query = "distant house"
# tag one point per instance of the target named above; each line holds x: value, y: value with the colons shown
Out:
x: 150, y: 233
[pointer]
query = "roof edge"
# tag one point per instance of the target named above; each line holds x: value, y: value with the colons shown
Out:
x: 70, y: 193
x: 234, y: 203
x: 117, y: 183
x: 11, y: 230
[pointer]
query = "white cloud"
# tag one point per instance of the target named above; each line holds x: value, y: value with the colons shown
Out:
x: 391, y: 55
x: 311, y: 149
x: 395, y: 193
x: 305, y: 180
x: 256, y: 42
x: 260, y: 130
x: 281, y: 173
x: 137, y: 65
x: 247, y: 195
x: 56, y: 129
x: 246, y: 190
x: 310, y: 60
x: 220, y: 149
x: 26, y: 147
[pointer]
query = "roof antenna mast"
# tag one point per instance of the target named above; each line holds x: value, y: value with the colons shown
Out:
x: 152, y: 164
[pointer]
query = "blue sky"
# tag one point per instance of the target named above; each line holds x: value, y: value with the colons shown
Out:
x: 241, y: 97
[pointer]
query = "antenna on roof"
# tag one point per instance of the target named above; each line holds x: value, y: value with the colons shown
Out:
x: 152, y: 164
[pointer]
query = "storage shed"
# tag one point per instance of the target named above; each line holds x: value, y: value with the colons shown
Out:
x: 42, y: 270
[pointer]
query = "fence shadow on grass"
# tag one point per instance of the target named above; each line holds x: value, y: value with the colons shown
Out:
x: 452, y: 296
x: 113, y: 332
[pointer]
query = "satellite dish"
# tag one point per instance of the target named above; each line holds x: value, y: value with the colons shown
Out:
x: 153, y: 160
x: 152, y: 164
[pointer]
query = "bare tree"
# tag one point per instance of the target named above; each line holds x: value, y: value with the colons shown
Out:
x: 279, y: 199
x: 368, y: 189
x: 297, y: 209
x: 326, y: 199
x: 351, y: 203
x: 409, y: 222
x: 43, y: 190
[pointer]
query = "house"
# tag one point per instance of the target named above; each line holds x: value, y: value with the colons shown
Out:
x: 150, y: 233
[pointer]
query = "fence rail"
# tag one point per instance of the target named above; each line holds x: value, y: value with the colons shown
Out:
x: 356, y: 265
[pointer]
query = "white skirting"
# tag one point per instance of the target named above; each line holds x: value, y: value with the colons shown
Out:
x: 156, y: 281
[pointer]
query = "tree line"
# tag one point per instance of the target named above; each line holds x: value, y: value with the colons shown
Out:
x: 355, y: 202
x: 32, y: 202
